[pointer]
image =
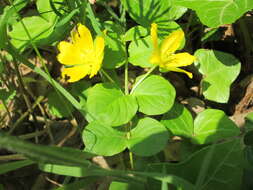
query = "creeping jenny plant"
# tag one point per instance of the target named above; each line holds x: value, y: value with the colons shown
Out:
x: 164, y: 55
x: 81, y: 57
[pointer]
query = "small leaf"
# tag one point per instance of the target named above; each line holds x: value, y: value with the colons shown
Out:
x: 155, y: 95
x: 148, y: 133
x: 109, y: 105
x: 212, y: 125
x: 179, y: 121
x: 103, y: 140
x: 215, y: 13
x: 217, y: 66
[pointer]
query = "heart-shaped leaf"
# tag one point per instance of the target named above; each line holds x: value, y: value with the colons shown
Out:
x: 219, y: 70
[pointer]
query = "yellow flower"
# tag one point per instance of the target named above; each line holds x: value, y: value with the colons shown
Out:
x: 164, y: 55
x: 81, y: 56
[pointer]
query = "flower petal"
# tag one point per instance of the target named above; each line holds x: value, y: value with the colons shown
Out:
x: 181, y: 71
x: 172, y: 42
x: 154, y: 35
x: 99, y: 44
x: 179, y: 60
x: 75, y: 73
x: 69, y: 54
x: 82, y: 38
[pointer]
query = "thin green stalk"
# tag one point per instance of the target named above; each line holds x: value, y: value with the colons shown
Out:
x: 126, y: 78
x: 142, y: 79
x: 103, y: 72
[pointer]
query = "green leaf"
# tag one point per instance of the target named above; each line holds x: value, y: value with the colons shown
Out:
x: 148, y: 133
x: 109, y: 105
x: 57, y: 107
x: 45, y: 10
x: 136, y: 33
x: 103, y: 140
x: 155, y: 95
x: 145, y: 12
x: 74, y: 171
x: 4, y: 168
x: 179, y: 121
x: 214, y: 13
x: 217, y: 66
x: 141, y: 50
x: 45, y: 154
x: 115, y: 52
x: 219, y: 166
x: 37, y: 27
x: 212, y: 125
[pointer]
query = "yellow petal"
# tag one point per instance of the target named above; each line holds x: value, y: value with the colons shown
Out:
x: 75, y: 73
x: 181, y: 71
x: 69, y: 54
x: 172, y: 42
x: 154, y: 35
x: 99, y: 44
x: 82, y: 38
x: 179, y: 60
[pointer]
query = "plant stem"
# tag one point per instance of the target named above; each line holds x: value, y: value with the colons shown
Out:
x: 7, y: 110
x: 107, y: 76
x: 143, y: 78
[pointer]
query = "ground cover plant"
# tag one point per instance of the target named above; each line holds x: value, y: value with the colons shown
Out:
x: 126, y: 94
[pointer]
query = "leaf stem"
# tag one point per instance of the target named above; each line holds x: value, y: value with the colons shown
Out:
x: 143, y: 78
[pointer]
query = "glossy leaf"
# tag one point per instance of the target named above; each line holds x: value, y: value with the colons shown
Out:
x: 214, y: 13
x: 109, y: 105
x: 148, y: 133
x: 217, y: 66
x: 155, y: 95
x: 179, y: 121
x: 212, y: 125
x: 145, y: 12
x: 103, y: 140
